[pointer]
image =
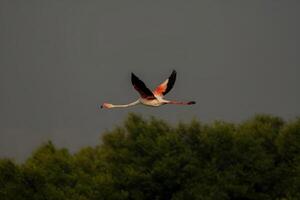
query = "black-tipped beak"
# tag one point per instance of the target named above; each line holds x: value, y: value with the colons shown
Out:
x: 98, y: 106
x: 192, y: 102
x: 101, y: 106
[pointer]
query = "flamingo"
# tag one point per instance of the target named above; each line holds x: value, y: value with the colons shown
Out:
x: 153, y: 98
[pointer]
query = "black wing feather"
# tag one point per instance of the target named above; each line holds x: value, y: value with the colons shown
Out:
x: 171, y: 82
x: 141, y: 87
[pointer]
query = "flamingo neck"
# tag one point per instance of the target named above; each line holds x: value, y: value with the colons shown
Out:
x: 125, y: 105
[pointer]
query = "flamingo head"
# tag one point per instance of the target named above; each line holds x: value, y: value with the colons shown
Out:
x: 106, y: 105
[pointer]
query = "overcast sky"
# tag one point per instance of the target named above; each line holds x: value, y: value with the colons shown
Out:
x: 59, y: 58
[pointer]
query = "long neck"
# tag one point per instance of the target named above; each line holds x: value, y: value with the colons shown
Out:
x: 126, y: 105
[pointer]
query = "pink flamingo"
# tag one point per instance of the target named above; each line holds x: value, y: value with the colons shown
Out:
x: 149, y: 98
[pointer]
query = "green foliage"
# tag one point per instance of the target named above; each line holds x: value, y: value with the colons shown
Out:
x: 149, y: 159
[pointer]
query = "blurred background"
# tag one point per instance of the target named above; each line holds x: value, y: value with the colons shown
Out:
x: 58, y: 59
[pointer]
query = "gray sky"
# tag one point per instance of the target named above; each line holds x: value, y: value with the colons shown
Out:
x: 59, y: 58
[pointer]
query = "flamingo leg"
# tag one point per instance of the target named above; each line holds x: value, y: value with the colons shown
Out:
x: 181, y: 103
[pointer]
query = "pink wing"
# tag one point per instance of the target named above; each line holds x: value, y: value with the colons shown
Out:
x: 166, y: 86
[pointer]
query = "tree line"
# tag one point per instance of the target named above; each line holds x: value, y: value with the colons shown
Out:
x: 152, y: 160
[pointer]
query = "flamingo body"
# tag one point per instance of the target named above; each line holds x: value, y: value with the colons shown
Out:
x: 152, y: 102
x: 148, y: 97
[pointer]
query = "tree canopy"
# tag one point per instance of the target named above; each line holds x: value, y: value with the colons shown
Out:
x: 152, y: 160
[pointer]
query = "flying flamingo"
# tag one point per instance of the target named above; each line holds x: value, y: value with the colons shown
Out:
x: 149, y: 98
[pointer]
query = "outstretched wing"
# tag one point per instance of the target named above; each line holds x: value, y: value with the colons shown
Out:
x: 141, y: 87
x: 166, y: 86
